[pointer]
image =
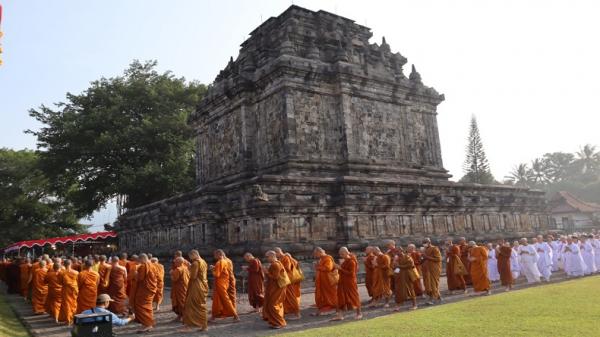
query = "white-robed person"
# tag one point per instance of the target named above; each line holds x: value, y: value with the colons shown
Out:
x: 515, y: 266
x: 529, y: 256
x: 556, y: 248
x: 545, y: 258
x: 574, y: 265
x: 492, y: 264
x: 596, y: 245
x: 587, y: 252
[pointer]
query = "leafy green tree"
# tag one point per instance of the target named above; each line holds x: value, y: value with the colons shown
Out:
x: 539, y: 172
x: 558, y: 165
x: 29, y: 209
x: 476, y: 166
x: 519, y: 176
x: 124, y: 137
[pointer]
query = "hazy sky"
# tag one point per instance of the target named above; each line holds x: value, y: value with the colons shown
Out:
x: 529, y: 70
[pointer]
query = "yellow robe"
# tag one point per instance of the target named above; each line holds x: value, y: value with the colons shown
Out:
x: 54, y: 297
x: 87, y: 281
x: 194, y: 310
x: 39, y: 291
x: 70, y: 290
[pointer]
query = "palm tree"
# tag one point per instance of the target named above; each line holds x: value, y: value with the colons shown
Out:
x: 588, y: 159
x: 539, y: 172
x: 520, y: 175
x: 558, y: 165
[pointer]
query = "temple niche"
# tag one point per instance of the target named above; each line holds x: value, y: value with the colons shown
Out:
x: 315, y: 136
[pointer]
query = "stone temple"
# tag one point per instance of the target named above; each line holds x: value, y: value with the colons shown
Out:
x: 315, y: 136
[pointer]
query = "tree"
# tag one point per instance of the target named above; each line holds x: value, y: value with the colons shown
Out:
x: 539, y: 172
x: 588, y: 162
x: 29, y: 209
x: 520, y: 176
x: 558, y: 165
x: 123, y: 137
x: 476, y: 167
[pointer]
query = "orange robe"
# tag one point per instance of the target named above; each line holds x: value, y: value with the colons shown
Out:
x: 25, y: 274
x: 231, y: 290
x: 194, y: 310
x: 416, y: 257
x: 160, y: 282
x: 70, y: 290
x: 432, y: 269
x: 39, y: 291
x: 503, y: 257
x: 146, y: 287
x: 404, y: 280
x: 479, y: 271
x: 131, y: 267
x: 54, y: 297
x: 347, y: 290
x: 256, y: 286
x: 222, y: 305
x: 104, y: 272
x: 291, y: 303
x: 369, y: 273
x: 381, y: 277
x: 180, y: 277
x: 87, y: 282
x: 325, y: 290
x: 116, y: 289
x: 455, y: 270
x: 464, y: 257
x: 273, y: 311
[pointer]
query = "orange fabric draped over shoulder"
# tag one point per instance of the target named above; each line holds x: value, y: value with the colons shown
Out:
x: 194, y: 309
x: 117, y: 289
x: 325, y: 292
x: 222, y: 305
x: 160, y: 274
x: 291, y: 303
x: 347, y: 290
x: 432, y: 269
x: 455, y: 270
x: 416, y: 257
x: 39, y: 290
x: 145, y: 289
x: 256, y: 286
x: 479, y: 271
x: 87, y: 281
x: 54, y: 297
x: 504, y: 254
x: 381, y: 277
x: 70, y: 292
x: 404, y: 280
x: 104, y: 273
x: 180, y: 277
x: 25, y: 275
x: 131, y: 267
x: 273, y: 311
x: 369, y: 273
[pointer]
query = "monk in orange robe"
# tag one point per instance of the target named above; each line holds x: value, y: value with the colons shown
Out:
x: 145, y: 289
x: 104, y: 269
x: 221, y: 301
x: 160, y: 273
x: 325, y: 282
x: 415, y: 255
x: 390, y: 246
x: 381, y: 278
x: 25, y: 277
x: 432, y: 269
x: 478, y: 256
x: 273, y: 311
x: 231, y: 289
x: 503, y: 254
x: 464, y: 258
x: 180, y: 277
x: 195, y: 311
x: 54, y: 297
x: 405, y: 274
x: 131, y: 267
x: 291, y: 303
x: 70, y: 292
x: 117, y: 284
x: 347, y: 290
x: 256, y: 287
x: 87, y: 282
x: 455, y: 270
x: 39, y: 289
x: 76, y: 264
x: 368, y: 262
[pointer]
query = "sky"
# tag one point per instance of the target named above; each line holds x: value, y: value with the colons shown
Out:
x: 528, y: 70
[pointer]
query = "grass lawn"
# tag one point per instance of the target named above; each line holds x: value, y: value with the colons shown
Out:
x: 569, y: 308
x: 9, y: 324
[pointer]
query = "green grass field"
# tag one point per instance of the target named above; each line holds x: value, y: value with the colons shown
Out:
x: 9, y: 324
x: 569, y: 308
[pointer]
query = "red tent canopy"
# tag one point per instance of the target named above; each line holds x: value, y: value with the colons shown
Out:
x: 63, y: 240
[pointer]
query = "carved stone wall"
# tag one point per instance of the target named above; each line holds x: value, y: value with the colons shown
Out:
x: 314, y: 136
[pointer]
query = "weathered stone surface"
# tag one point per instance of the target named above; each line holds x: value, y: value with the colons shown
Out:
x: 314, y: 136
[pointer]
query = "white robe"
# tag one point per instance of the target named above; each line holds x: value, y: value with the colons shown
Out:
x: 596, y: 245
x: 492, y: 264
x: 528, y: 256
x: 556, y: 249
x: 515, y: 266
x: 544, y: 262
x: 587, y: 253
x: 574, y: 265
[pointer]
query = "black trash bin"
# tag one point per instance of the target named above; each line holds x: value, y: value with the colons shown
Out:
x: 92, y: 325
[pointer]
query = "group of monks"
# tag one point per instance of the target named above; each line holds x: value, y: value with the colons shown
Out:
x: 64, y: 287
